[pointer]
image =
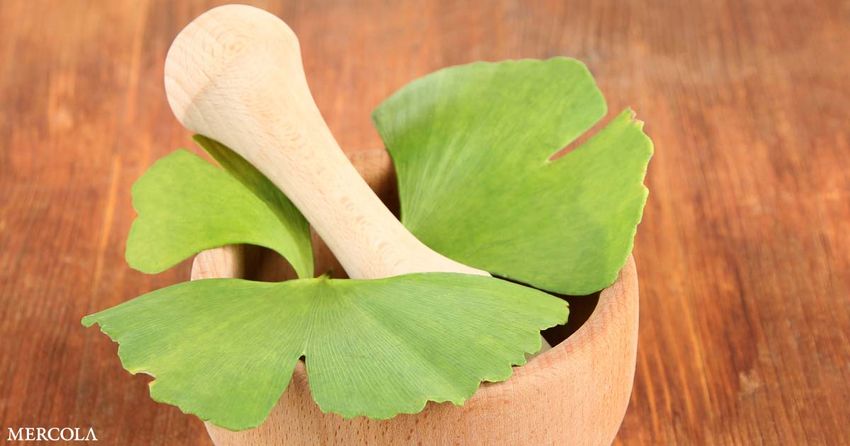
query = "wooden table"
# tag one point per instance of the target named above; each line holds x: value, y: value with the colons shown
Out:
x: 742, y: 254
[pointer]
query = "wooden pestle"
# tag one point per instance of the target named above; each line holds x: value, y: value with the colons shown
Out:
x: 235, y: 74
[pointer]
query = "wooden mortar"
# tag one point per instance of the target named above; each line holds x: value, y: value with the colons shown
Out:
x: 576, y: 393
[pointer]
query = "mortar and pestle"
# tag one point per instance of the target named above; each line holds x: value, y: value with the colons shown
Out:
x: 235, y: 75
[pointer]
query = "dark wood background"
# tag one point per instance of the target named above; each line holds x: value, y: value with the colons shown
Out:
x: 742, y: 254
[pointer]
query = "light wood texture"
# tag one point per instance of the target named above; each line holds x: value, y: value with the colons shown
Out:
x: 744, y: 276
x: 576, y: 393
x: 234, y: 74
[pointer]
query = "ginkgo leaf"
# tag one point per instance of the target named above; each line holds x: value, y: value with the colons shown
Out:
x: 187, y: 205
x: 472, y: 145
x: 225, y: 349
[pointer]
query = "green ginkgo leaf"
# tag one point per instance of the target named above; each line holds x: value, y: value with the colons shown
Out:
x: 472, y: 146
x: 225, y: 349
x: 187, y: 205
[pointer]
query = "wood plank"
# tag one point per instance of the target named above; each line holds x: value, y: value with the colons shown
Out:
x: 742, y: 254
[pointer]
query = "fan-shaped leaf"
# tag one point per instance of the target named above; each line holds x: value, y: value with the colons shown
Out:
x: 187, y: 205
x: 471, y: 146
x: 225, y: 349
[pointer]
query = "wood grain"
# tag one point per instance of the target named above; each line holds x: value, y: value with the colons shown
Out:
x: 742, y: 254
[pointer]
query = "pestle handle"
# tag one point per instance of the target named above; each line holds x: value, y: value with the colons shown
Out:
x: 235, y: 74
